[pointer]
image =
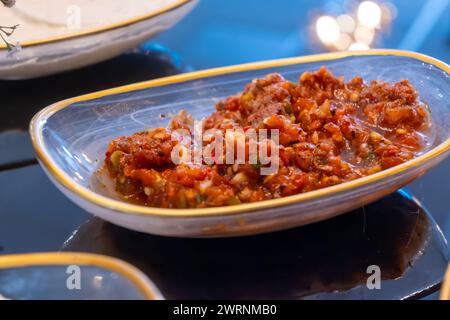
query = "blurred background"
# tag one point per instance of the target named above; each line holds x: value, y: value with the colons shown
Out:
x: 219, y: 33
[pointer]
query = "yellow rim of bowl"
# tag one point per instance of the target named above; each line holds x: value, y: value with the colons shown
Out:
x: 99, y: 29
x: 445, y: 289
x: 123, y: 268
x: 41, y: 117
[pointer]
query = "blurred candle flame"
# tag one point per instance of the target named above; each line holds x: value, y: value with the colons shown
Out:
x: 327, y: 29
x: 354, y: 30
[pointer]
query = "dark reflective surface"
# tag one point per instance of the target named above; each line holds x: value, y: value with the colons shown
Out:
x: 323, y: 257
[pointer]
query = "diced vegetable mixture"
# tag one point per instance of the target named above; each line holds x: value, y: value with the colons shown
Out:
x: 330, y: 131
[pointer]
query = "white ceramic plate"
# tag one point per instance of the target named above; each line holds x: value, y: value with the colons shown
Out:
x: 75, y: 50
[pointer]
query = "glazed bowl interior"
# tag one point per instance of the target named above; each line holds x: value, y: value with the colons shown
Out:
x: 77, y: 136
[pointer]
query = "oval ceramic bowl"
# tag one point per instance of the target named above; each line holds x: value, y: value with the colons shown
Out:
x: 75, y: 50
x: 70, y: 275
x: 70, y: 138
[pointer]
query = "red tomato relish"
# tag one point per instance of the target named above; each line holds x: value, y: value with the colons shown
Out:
x: 330, y: 131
